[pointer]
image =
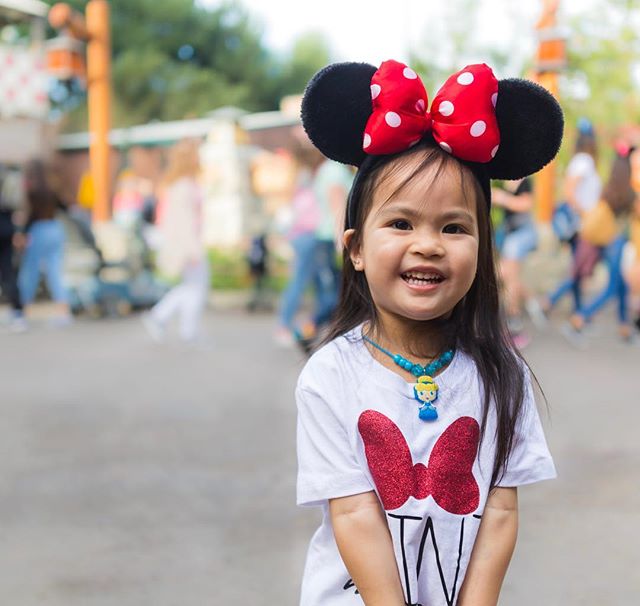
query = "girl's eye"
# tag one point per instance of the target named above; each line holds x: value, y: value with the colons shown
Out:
x: 454, y: 229
x: 401, y: 224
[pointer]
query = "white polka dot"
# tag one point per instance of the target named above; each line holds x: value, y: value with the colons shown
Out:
x: 494, y: 151
x: 375, y: 90
x: 494, y: 99
x: 392, y: 119
x: 409, y: 74
x: 478, y: 128
x: 366, y: 141
x: 445, y: 146
x: 446, y: 108
x: 420, y: 105
x: 465, y: 78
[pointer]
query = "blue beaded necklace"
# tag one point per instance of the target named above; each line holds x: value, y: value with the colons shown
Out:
x: 425, y: 390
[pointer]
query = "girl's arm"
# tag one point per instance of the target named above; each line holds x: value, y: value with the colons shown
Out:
x: 364, y: 542
x: 492, y: 550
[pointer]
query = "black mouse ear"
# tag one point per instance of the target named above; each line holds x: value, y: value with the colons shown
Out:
x: 335, y: 109
x: 531, y: 124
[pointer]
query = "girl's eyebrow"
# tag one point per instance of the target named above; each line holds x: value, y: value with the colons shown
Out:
x: 399, y: 208
x: 457, y: 215
x: 410, y: 211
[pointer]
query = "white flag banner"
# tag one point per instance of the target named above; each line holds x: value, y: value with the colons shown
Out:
x: 23, y: 83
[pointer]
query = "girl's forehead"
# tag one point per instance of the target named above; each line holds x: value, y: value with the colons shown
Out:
x: 437, y: 182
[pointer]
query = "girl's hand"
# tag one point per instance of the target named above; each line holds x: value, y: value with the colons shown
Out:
x: 363, y: 539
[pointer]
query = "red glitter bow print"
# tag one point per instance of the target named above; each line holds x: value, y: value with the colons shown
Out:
x: 462, y: 115
x: 448, y: 478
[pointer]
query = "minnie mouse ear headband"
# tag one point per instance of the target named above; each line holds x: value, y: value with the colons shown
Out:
x: 505, y: 129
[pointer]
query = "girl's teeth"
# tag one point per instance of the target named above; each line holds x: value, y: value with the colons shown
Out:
x: 413, y: 279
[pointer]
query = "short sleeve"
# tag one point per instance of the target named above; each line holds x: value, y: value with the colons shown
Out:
x: 530, y: 459
x: 580, y: 165
x: 327, y: 464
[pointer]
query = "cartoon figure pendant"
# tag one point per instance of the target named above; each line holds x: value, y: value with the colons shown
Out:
x: 426, y: 392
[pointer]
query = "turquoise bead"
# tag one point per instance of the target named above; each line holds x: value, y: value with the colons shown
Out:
x: 417, y: 370
x: 398, y: 359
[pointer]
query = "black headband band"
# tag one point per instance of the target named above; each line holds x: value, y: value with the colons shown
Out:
x: 337, y: 104
x: 371, y: 162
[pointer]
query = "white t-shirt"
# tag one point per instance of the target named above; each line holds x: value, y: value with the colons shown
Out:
x: 359, y: 430
x: 589, y: 185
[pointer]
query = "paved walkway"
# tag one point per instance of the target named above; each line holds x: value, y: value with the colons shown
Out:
x: 133, y: 474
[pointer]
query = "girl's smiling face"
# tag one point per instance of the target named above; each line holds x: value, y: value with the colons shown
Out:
x: 419, y: 243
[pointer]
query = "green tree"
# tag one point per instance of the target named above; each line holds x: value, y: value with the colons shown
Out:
x: 310, y: 52
x: 175, y: 59
x: 601, y: 80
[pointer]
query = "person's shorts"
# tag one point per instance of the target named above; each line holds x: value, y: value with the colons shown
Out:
x: 520, y: 242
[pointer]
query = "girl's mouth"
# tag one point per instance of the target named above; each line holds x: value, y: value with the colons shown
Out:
x: 418, y: 278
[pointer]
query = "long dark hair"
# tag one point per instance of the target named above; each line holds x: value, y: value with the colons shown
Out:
x: 618, y: 192
x: 476, y: 325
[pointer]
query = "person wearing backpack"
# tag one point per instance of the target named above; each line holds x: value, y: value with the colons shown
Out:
x: 582, y: 190
x: 606, y: 227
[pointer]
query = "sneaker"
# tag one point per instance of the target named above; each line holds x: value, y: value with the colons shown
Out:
x: 536, y: 312
x: 283, y: 337
x: 515, y: 324
x: 17, y: 325
x: 153, y: 327
x: 521, y: 340
x: 573, y: 335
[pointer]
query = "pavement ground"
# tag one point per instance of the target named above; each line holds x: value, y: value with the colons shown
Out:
x: 135, y: 474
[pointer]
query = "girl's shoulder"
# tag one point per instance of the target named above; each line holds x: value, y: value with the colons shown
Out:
x: 332, y: 362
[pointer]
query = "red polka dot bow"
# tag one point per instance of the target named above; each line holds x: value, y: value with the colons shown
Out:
x: 462, y: 116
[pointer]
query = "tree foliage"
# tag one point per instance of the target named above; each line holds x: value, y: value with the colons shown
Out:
x: 174, y: 59
x: 602, y: 79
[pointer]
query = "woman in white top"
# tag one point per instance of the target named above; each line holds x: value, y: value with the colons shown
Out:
x: 582, y: 188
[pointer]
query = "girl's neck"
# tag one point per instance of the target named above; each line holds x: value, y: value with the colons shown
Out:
x: 420, y: 339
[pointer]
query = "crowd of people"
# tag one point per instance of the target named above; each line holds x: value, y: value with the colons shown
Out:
x: 168, y: 217
x: 598, y: 223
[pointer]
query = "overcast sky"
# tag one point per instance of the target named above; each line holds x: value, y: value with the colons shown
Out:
x: 374, y: 30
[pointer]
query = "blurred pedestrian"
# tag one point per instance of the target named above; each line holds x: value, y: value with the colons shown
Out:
x: 181, y: 254
x: 44, y: 243
x: 520, y: 239
x: 606, y: 227
x: 331, y: 184
x: 11, y: 202
x: 258, y: 261
x: 582, y: 189
x: 631, y: 253
x: 302, y: 237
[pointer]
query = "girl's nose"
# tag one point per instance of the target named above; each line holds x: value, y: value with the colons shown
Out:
x: 427, y: 244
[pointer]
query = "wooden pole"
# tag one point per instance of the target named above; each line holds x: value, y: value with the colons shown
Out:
x: 545, y: 182
x: 99, y: 102
x: 550, y: 60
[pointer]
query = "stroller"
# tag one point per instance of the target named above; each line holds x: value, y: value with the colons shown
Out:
x: 109, y: 271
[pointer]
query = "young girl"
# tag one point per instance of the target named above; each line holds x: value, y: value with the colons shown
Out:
x: 416, y: 419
